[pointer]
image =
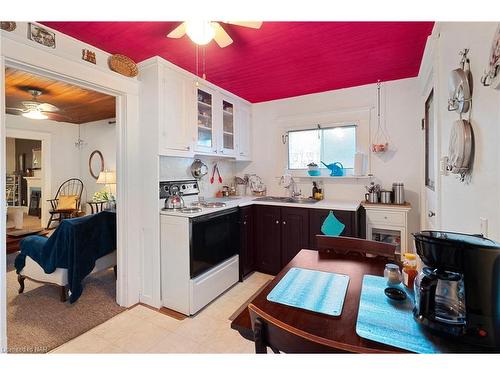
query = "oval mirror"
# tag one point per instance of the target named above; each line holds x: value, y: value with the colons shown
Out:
x: 96, y: 163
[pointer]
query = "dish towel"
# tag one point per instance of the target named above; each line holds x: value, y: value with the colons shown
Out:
x: 332, y: 226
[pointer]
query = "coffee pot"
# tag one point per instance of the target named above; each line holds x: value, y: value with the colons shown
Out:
x: 457, y: 293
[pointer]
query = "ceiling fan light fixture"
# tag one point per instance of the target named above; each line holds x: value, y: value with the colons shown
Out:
x: 200, y: 32
x: 35, y: 115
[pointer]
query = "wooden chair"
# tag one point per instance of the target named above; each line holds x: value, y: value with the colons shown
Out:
x: 73, y: 186
x: 350, y: 245
x: 281, y: 337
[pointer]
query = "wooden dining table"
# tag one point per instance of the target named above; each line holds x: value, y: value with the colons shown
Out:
x: 340, y: 332
x: 337, y: 332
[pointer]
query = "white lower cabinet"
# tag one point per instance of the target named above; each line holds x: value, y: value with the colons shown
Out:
x: 388, y: 223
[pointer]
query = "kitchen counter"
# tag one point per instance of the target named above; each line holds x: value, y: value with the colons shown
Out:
x: 250, y: 200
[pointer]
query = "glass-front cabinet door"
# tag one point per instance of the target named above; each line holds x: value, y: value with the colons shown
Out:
x: 205, y: 125
x: 228, y: 140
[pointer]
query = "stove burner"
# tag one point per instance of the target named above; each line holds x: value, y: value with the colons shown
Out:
x: 213, y: 204
x: 208, y: 204
x: 191, y: 210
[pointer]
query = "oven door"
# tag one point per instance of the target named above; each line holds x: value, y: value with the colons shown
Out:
x: 214, y: 238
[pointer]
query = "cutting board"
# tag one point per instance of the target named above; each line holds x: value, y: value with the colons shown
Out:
x: 318, y: 291
x: 391, y: 322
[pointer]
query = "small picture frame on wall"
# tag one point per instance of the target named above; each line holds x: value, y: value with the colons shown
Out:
x: 88, y: 55
x: 42, y: 36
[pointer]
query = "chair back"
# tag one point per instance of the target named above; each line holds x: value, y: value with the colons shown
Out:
x: 272, y: 333
x: 350, y: 245
x: 73, y: 186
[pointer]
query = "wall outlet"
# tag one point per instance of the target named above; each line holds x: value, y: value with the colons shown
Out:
x: 483, y: 222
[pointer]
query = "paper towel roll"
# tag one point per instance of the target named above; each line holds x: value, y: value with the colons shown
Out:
x: 359, y: 164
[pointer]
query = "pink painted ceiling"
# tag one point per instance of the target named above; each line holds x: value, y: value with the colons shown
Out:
x: 282, y: 59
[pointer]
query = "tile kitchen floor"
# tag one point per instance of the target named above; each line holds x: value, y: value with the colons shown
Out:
x: 143, y: 330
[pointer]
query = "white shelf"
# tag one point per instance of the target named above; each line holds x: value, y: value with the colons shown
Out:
x: 227, y: 113
x: 204, y: 127
x: 205, y: 104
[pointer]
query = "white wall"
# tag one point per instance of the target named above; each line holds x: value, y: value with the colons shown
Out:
x: 65, y: 157
x: 402, y: 118
x: 173, y: 168
x: 66, y: 160
x: 463, y: 204
x: 97, y: 135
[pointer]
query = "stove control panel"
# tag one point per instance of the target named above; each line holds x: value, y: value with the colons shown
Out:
x: 184, y: 187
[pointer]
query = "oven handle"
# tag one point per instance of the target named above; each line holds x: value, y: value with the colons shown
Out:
x: 202, y: 218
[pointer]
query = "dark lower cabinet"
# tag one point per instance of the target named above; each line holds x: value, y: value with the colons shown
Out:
x: 268, y: 239
x: 294, y: 232
x: 318, y: 216
x: 272, y: 235
x: 247, y: 246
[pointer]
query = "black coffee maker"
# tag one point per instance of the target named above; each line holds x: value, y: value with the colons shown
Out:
x: 457, y: 293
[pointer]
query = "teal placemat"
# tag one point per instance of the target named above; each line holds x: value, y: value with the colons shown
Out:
x: 391, y: 322
x: 317, y: 291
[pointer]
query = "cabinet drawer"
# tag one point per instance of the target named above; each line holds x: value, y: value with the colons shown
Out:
x: 386, y: 217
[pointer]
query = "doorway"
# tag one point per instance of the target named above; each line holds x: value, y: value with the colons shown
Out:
x: 51, y: 141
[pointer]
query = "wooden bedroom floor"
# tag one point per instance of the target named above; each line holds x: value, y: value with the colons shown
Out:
x: 143, y: 330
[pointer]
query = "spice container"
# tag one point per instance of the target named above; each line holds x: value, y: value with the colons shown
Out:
x: 392, y: 274
x: 409, y: 269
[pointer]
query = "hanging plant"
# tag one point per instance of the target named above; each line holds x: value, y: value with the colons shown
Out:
x: 380, y: 142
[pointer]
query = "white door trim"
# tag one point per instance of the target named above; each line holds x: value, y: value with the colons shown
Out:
x: 429, y: 76
x: 40, y: 60
x: 45, y: 138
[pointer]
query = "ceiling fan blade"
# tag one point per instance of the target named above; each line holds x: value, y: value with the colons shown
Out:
x: 178, y: 32
x: 252, y: 25
x: 221, y: 37
x: 16, y: 109
x: 47, y: 107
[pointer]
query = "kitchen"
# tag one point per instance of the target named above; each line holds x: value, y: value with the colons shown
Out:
x: 238, y: 185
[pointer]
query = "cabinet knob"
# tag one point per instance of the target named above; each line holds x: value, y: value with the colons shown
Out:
x: 385, y: 217
x: 242, y: 153
x: 244, y: 223
x: 188, y: 148
x: 277, y: 221
x: 284, y: 222
x: 431, y: 213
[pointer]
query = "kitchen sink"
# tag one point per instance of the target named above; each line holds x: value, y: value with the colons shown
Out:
x: 286, y: 200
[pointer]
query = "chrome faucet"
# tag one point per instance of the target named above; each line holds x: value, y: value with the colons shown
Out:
x: 292, y: 188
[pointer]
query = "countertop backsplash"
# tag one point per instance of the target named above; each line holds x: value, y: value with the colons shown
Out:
x: 176, y: 168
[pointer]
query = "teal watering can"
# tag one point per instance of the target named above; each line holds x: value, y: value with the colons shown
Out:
x: 336, y: 169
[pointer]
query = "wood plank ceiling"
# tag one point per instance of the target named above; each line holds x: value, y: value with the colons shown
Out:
x: 76, y: 104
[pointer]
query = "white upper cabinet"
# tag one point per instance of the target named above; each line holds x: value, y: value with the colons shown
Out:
x: 192, y: 117
x: 206, y: 116
x: 244, y: 132
x: 228, y: 140
x: 176, y: 114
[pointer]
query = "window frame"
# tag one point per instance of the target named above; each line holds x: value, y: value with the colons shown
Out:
x: 319, y: 127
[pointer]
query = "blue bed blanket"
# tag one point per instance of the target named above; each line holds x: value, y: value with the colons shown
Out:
x: 76, y: 244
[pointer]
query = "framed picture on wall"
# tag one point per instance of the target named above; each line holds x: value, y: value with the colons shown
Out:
x: 40, y: 35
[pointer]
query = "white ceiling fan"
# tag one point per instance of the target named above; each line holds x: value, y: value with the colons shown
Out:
x: 33, y: 109
x: 202, y: 32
